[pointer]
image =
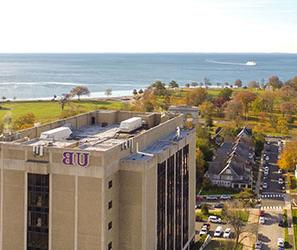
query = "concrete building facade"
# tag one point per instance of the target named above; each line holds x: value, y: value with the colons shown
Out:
x: 99, y: 188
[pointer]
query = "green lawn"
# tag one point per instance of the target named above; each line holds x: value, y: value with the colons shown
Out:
x: 46, y: 111
x: 217, y: 212
x: 294, y: 214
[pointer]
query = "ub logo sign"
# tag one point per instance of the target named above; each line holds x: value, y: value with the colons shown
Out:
x: 76, y: 159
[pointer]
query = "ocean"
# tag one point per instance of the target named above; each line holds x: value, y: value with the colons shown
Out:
x: 41, y: 76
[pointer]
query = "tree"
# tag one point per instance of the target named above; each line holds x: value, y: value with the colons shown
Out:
x: 293, y: 83
x: 233, y: 212
x: 3, y: 98
x: 173, y: 84
x: 194, y: 84
x: 134, y: 91
x: 206, y: 109
x: 140, y: 91
x: 264, y: 103
x: 204, y: 209
x: 282, y: 125
x: 238, y: 83
x: 288, y: 157
x: 159, y: 88
x: 200, y: 166
x: 287, y: 108
x: 226, y: 93
x: 234, y: 111
x: 64, y: 100
x: 24, y: 121
x: 187, y: 85
x: 253, y: 85
x: 246, y: 98
x: 206, y: 81
x: 108, y: 92
x: 196, y: 97
x: 274, y: 82
x: 79, y: 91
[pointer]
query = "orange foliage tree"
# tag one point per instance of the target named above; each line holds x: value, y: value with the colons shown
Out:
x: 288, y: 157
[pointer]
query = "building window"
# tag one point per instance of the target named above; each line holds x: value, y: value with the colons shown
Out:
x: 109, y: 246
x: 110, y: 225
x: 161, y: 200
x: 38, y: 210
x: 110, y: 205
x: 110, y: 184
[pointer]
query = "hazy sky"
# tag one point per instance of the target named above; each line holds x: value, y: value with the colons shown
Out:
x: 148, y: 26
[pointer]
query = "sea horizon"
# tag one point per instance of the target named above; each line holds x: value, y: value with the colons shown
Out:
x: 43, y: 75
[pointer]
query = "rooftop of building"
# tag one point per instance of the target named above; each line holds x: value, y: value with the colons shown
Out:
x: 98, y: 130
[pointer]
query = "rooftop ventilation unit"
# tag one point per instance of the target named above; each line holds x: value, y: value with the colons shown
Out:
x: 61, y: 133
x: 131, y: 124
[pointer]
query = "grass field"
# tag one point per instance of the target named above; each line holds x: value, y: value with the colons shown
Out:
x: 46, y: 111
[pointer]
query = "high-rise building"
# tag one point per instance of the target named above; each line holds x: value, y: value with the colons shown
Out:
x: 95, y: 182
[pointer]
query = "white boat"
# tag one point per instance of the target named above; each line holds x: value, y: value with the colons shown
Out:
x: 251, y: 63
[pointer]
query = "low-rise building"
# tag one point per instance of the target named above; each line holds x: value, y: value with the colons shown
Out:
x: 233, y: 162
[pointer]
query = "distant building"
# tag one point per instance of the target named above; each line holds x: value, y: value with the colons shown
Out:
x: 83, y: 183
x: 233, y: 163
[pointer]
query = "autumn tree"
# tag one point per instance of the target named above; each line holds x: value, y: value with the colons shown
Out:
x: 232, y: 213
x: 226, y: 93
x: 238, y: 83
x: 234, y: 111
x: 293, y: 83
x: 288, y: 157
x: 246, y: 98
x: 282, y: 125
x: 287, y: 92
x: 159, y: 88
x: 24, y: 121
x: 287, y: 108
x: 274, y: 82
x: 134, y: 91
x: 264, y: 102
x: 79, y: 91
x: 196, y: 96
x: 253, y: 85
x: 200, y: 166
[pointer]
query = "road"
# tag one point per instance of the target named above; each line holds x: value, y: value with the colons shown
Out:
x: 272, y: 197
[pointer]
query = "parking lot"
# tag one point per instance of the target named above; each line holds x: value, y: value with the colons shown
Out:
x: 272, y: 196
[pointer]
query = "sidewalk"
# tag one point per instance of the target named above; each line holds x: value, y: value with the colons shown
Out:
x: 288, y: 207
x: 250, y: 240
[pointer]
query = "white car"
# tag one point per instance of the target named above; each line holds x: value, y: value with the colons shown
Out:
x: 203, y: 231
x: 265, y: 185
x: 218, y: 232
x: 258, y: 245
x: 214, y: 219
x: 227, y: 233
x: 225, y: 197
x: 267, y: 158
x: 280, y: 181
x: 266, y: 172
x: 280, y: 242
x: 279, y: 171
x: 266, y: 168
x: 262, y: 220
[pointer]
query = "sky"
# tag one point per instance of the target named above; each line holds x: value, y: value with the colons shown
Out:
x: 148, y: 26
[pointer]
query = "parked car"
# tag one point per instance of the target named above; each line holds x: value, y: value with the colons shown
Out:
x: 266, y: 168
x: 203, y: 231
x: 281, y: 221
x: 258, y: 245
x: 262, y: 212
x: 266, y: 172
x: 280, y: 171
x: 265, y: 185
x: 219, y: 205
x: 211, y: 197
x: 262, y: 220
x: 225, y: 197
x: 198, y: 218
x: 267, y: 158
x: 227, y: 233
x: 218, y: 232
x: 280, y: 242
x: 280, y: 181
x: 207, y: 225
x: 214, y: 219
